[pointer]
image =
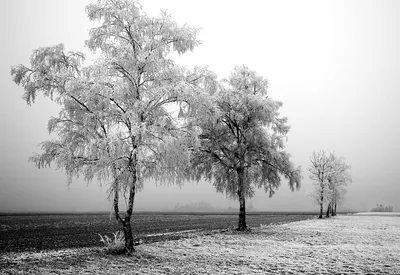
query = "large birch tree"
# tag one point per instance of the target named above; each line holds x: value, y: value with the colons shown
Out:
x: 243, y: 140
x: 114, y: 125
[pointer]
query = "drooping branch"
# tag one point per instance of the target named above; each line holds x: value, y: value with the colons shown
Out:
x: 289, y: 174
x: 81, y: 103
x: 125, y: 73
x: 218, y: 158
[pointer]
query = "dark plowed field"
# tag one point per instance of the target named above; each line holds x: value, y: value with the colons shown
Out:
x: 57, y: 231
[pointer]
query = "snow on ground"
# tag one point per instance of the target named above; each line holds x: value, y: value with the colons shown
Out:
x: 350, y: 244
x: 378, y: 213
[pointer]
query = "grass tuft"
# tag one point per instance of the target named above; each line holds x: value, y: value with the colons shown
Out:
x: 115, y: 245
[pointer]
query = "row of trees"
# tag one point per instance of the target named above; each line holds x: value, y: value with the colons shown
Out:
x: 330, y: 175
x: 381, y: 208
x: 115, y: 123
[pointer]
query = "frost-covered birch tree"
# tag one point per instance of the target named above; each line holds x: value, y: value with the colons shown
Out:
x: 243, y: 140
x: 114, y: 125
x: 338, y: 178
x: 330, y: 175
x: 319, y: 169
x: 338, y: 198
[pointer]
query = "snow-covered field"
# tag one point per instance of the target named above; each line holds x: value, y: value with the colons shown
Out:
x: 378, y: 213
x: 348, y: 244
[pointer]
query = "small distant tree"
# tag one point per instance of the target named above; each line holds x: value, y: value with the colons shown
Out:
x: 338, y: 178
x: 330, y: 175
x: 319, y: 169
x: 114, y: 125
x: 242, y: 140
x: 338, y: 198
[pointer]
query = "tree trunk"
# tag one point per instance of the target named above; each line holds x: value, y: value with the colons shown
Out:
x: 242, y: 210
x: 127, y: 225
x: 128, y: 235
x: 328, y: 210
x: 321, y: 210
x: 126, y: 222
x: 334, y: 211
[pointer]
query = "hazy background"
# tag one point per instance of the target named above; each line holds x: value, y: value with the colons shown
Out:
x: 334, y: 64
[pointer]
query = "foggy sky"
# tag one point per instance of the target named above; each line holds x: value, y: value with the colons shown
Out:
x: 335, y: 65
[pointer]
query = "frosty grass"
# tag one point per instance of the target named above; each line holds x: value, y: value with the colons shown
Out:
x: 348, y: 244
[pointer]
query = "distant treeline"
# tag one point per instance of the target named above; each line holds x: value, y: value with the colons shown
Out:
x: 206, y: 207
x: 381, y: 208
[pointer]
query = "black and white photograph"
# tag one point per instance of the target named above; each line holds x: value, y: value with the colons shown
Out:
x: 200, y: 137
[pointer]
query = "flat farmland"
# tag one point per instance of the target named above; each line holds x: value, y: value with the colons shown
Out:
x: 345, y: 244
x: 38, y: 232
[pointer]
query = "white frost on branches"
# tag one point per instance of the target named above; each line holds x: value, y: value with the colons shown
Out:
x: 330, y: 175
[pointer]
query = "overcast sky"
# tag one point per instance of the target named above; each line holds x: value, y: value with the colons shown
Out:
x: 334, y: 64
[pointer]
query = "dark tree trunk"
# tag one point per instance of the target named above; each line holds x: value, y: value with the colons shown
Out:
x: 334, y: 211
x: 328, y: 210
x: 242, y: 201
x: 321, y: 204
x: 242, y: 213
x: 127, y: 225
x: 128, y: 235
x: 132, y: 192
x: 126, y: 221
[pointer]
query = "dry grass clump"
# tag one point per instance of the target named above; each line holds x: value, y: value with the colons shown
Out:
x: 115, y: 245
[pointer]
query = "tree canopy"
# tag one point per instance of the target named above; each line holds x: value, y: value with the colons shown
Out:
x: 114, y: 124
x: 243, y: 139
